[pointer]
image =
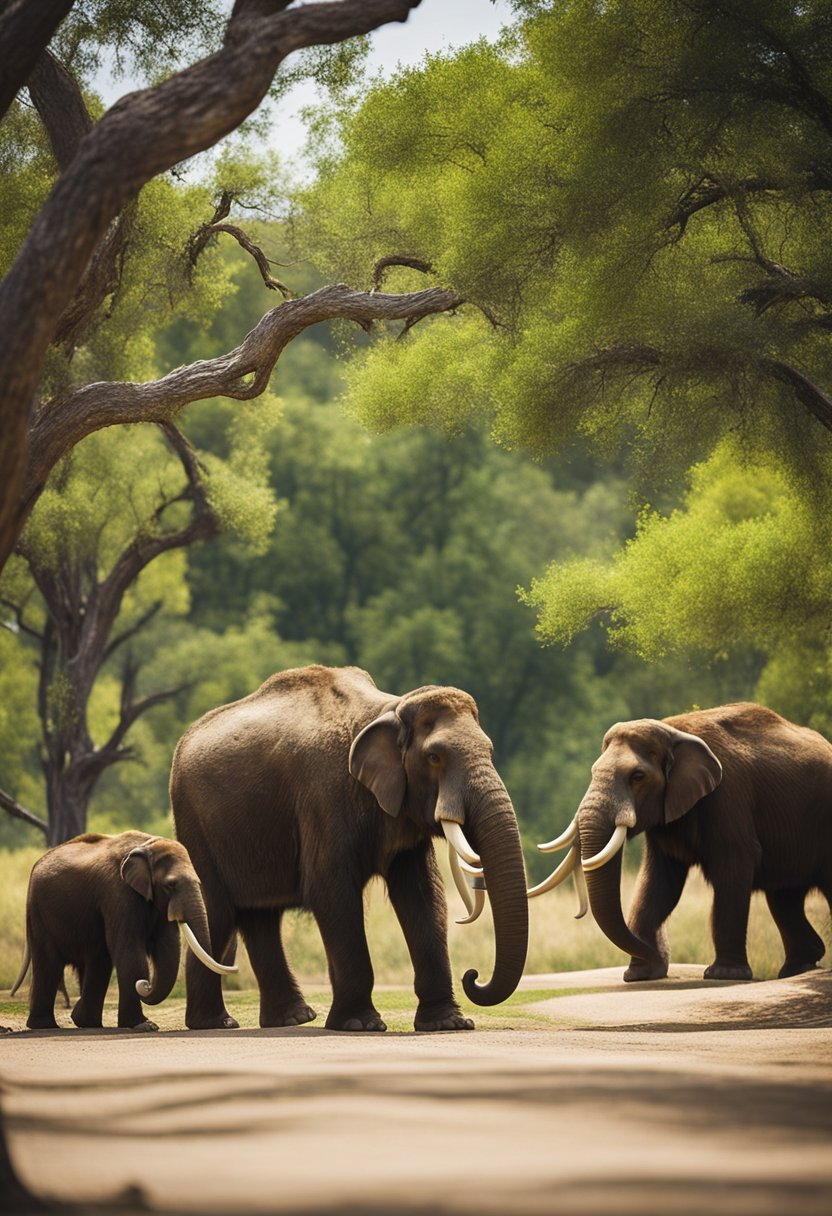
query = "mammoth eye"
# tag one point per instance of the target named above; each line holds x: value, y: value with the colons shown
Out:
x: 637, y: 774
x: 434, y: 758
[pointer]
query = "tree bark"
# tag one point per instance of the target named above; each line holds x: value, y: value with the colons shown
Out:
x: 26, y: 28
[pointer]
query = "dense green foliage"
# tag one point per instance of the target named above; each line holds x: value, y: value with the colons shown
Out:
x: 634, y: 197
x: 638, y: 192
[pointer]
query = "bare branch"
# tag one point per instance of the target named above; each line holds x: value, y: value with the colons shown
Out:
x: 135, y: 628
x: 17, y: 811
x: 144, y: 549
x: 204, y: 233
x: 814, y: 399
x: 397, y: 259
x: 17, y: 609
x: 112, y: 752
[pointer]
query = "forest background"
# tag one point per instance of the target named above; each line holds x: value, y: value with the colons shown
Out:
x: 418, y: 506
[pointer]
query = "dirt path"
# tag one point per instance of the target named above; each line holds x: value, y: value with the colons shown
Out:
x: 679, y: 1097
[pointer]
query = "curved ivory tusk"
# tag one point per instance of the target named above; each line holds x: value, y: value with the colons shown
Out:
x: 560, y: 842
x: 456, y: 839
x: 478, y: 905
x: 459, y: 880
x: 144, y: 988
x: 202, y: 955
x: 580, y: 887
x: 609, y: 850
x: 557, y: 877
x: 474, y: 871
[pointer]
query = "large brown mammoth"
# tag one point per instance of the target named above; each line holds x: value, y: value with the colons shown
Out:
x: 736, y: 790
x: 98, y: 901
x: 296, y: 795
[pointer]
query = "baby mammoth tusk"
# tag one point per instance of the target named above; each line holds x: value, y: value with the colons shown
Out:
x: 203, y: 955
x: 456, y: 839
x: 609, y: 850
x: 580, y: 887
x: 560, y: 842
x: 555, y: 879
x: 144, y: 988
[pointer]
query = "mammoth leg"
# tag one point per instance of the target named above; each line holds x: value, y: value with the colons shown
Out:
x: 47, y: 973
x: 340, y: 917
x: 659, y: 886
x: 802, y: 945
x: 418, y: 897
x: 131, y: 964
x: 94, y: 977
x: 729, y: 924
x: 204, y: 1006
x: 281, y: 1001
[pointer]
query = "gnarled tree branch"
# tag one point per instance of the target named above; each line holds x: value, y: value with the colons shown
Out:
x: 204, y: 234
x: 242, y: 373
x: 13, y: 808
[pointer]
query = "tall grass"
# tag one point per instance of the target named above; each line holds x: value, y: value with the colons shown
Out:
x: 557, y: 942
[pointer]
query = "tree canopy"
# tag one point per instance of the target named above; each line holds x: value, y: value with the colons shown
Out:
x: 637, y: 196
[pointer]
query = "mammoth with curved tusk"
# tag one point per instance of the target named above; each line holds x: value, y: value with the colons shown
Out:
x: 96, y: 902
x: 737, y: 791
x: 295, y: 796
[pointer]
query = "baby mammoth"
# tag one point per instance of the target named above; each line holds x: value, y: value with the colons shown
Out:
x: 101, y: 901
x: 739, y: 792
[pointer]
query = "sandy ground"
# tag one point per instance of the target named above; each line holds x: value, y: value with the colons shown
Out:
x: 679, y: 1097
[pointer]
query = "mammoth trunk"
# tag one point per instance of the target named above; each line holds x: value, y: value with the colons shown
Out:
x: 497, y: 840
x: 604, y: 888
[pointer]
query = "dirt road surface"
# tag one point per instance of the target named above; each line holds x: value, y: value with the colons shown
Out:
x: 679, y: 1097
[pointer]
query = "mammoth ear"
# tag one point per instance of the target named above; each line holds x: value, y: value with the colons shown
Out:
x: 135, y: 870
x: 375, y: 761
x: 692, y: 772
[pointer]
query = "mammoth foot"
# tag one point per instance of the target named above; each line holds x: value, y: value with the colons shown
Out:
x: 290, y: 1015
x: 44, y: 1021
x: 368, y: 1020
x: 85, y: 1020
x: 645, y: 969
x: 795, y: 967
x: 443, y: 1017
x: 145, y: 1025
x: 223, y: 1022
x: 727, y: 971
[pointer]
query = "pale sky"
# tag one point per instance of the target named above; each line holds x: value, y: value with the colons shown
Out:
x: 435, y: 25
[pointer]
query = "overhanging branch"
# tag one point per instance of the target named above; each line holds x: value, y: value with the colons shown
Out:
x: 242, y: 373
x: 814, y: 399
x: 13, y: 808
